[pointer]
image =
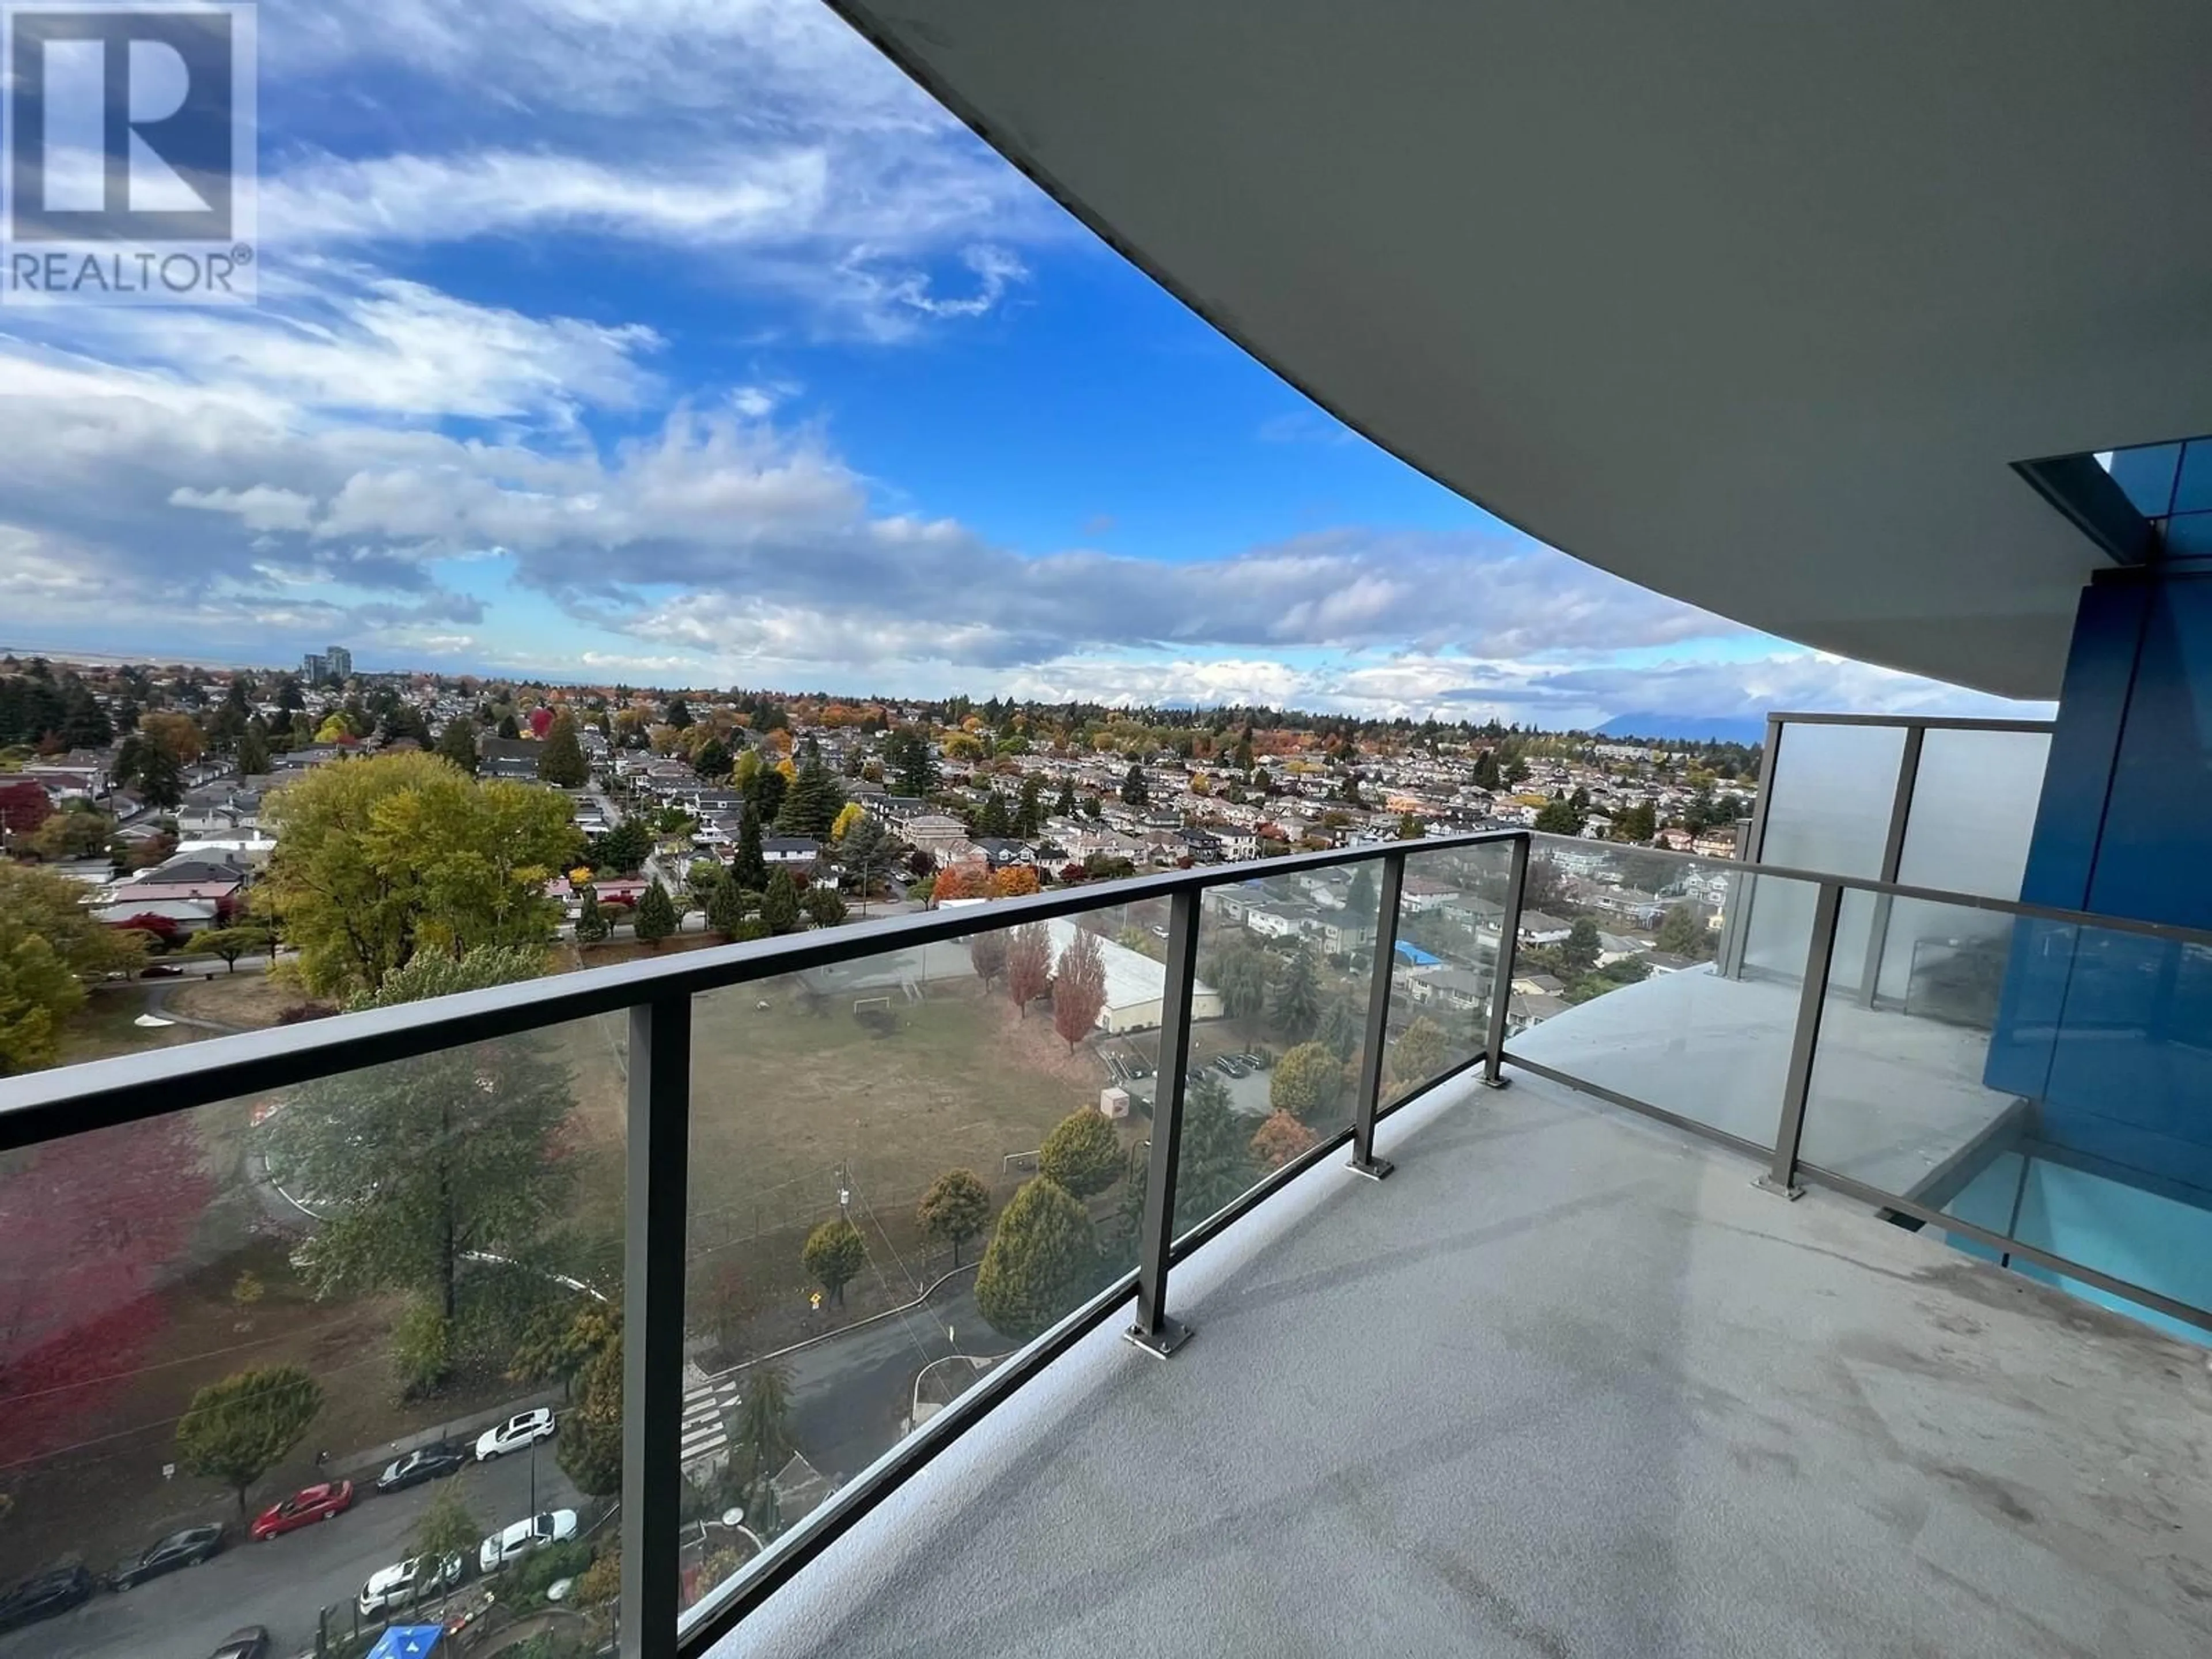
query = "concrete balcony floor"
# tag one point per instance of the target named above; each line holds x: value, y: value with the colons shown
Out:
x: 1566, y: 1384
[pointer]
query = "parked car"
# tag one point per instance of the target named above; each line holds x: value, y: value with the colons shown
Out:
x: 409, y: 1581
x: 552, y: 1527
x: 515, y: 1434
x: 1229, y: 1068
x: 433, y: 1462
x: 43, y: 1595
x: 187, y: 1548
x: 304, y: 1507
x: 251, y: 1643
x: 161, y: 970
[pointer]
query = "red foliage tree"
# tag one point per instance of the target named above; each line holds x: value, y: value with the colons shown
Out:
x: 1078, y: 989
x: 95, y: 1226
x: 1028, y: 965
x: 1072, y: 874
x: 1279, y: 1140
x: 541, y: 721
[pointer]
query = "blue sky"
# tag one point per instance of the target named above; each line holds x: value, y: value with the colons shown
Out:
x: 689, y: 345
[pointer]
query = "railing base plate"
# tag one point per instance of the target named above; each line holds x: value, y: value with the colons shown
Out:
x: 1375, y: 1168
x: 1172, y: 1335
x: 1769, y: 1184
x: 1501, y: 1081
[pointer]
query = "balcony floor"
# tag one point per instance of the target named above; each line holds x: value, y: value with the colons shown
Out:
x: 1566, y: 1384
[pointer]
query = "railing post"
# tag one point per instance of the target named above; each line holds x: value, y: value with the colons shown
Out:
x: 1782, y: 1178
x: 657, y: 1196
x: 1501, y: 979
x: 1363, y: 1161
x: 1154, y: 1330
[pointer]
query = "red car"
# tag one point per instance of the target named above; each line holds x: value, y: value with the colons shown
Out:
x: 304, y: 1507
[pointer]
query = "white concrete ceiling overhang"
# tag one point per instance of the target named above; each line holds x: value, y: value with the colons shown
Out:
x: 1753, y: 303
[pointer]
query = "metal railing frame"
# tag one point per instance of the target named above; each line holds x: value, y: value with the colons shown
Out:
x: 656, y: 995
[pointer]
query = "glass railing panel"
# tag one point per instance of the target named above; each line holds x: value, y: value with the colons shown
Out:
x: 902, y: 1169
x: 1277, y: 1027
x: 1450, y: 916
x: 2049, y: 1081
x: 1900, y: 1091
x: 1621, y: 979
x: 303, y: 1319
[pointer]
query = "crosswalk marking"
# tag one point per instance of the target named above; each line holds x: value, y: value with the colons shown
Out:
x: 705, y: 1426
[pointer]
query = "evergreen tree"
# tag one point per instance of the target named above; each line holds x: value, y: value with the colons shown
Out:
x: 780, y: 902
x: 712, y: 760
x: 560, y: 756
x: 750, y: 869
x: 253, y: 753
x: 591, y: 923
x: 656, y: 914
x: 957, y: 1208
x: 1028, y: 818
x: 1297, y: 995
x: 811, y: 803
x: 458, y: 743
x: 993, y: 822
x: 1134, y: 790
x: 1064, y: 804
x: 835, y: 1254
x: 1042, y: 1256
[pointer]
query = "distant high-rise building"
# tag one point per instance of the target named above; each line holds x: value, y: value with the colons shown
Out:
x: 316, y: 668
x: 341, y: 663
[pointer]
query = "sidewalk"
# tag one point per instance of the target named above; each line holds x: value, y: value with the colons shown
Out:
x: 373, y: 1459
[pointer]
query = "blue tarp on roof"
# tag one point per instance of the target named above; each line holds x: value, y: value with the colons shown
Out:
x: 1418, y: 956
x: 407, y: 1642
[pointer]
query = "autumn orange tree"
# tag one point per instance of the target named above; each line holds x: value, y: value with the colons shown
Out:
x: 1015, y: 881
x: 957, y: 881
x: 1078, y: 989
x: 1029, y: 965
x: 1279, y: 1140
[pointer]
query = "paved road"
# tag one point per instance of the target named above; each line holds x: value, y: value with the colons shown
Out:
x: 282, y: 1583
x: 850, y: 1396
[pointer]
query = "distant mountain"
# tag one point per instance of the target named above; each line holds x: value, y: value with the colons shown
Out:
x: 1687, y: 728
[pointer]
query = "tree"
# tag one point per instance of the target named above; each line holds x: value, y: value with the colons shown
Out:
x: 1359, y: 899
x: 987, y: 952
x: 81, y: 832
x: 1063, y: 805
x: 849, y: 817
x: 954, y: 1209
x: 560, y: 756
x: 447, y: 1526
x: 1680, y: 933
x: 1241, y: 976
x: 179, y: 735
x: 1216, y: 1166
x: 49, y: 945
x: 680, y: 713
x: 252, y: 751
x: 711, y: 760
x: 656, y: 914
x: 811, y: 802
x: 780, y: 902
x: 237, y: 1430
x: 1134, y: 791
x: 1015, y: 881
x: 379, y: 859
x: 749, y: 867
x: 1581, y: 950
x: 1420, y: 1052
x: 1079, y: 993
x: 232, y: 943
x: 1558, y: 817
x: 912, y: 762
x: 1485, y: 772
x: 1638, y: 823
x: 763, y: 1436
x: 625, y: 847
x: 591, y: 1435
x: 508, y: 728
x: 822, y: 903
x: 1041, y: 1257
x: 1297, y: 996
x: 1082, y: 1154
x: 592, y: 923
x: 457, y: 743
x: 1412, y: 827
x: 1029, y: 817
x: 1029, y: 965
x: 465, y: 1143
x: 158, y: 775
x: 1280, y: 1138
x: 1307, y: 1082
x: 833, y: 1255
x: 725, y: 907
